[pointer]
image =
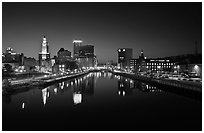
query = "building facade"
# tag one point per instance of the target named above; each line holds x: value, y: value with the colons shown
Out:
x: 15, y: 60
x: 142, y: 64
x: 63, y: 55
x: 45, y: 64
x: 44, y: 54
x: 124, y: 56
x: 77, y: 44
x: 84, y: 54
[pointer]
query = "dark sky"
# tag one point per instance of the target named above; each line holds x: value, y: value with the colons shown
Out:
x: 160, y: 29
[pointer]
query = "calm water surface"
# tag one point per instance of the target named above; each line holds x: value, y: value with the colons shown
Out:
x: 100, y: 101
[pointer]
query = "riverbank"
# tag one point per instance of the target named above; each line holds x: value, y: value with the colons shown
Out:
x: 192, y: 86
x: 39, y: 81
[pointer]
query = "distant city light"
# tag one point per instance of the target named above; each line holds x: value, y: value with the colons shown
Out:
x: 196, y: 67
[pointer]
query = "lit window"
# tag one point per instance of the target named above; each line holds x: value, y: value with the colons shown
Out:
x: 123, y: 50
x: 119, y: 50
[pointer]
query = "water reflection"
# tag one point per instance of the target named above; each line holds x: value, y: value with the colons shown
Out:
x: 111, y: 99
x: 126, y: 86
x: 83, y: 87
x: 44, y: 95
x: 77, y: 97
x: 23, y: 105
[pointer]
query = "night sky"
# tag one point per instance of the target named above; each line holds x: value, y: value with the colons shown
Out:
x: 160, y: 29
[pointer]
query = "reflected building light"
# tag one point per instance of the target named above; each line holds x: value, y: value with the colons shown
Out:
x: 147, y: 86
x: 55, y: 90
x: 48, y: 94
x: 77, y: 98
x: 118, y: 92
x: 23, y: 105
x: 71, y: 83
x: 67, y: 84
x: 123, y: 93
x: 126, y: 80
x: 44, y: 95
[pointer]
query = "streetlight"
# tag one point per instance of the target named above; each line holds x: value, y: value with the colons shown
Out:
x: 178, y: 67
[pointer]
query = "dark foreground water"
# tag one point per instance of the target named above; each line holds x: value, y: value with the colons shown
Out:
x: 100, y: 101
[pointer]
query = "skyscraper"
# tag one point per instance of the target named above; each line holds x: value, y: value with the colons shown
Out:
x: 44, y: 54
x: 77, y: 44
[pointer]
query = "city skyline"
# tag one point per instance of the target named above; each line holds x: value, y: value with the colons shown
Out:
x: 160, y: 29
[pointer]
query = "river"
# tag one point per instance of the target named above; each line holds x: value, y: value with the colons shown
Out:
x: 100, y: 101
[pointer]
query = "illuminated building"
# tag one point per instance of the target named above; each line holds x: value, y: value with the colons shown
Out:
x: 142, y: 64
x: 44, y: 57
x: 44, y: 54
x: 124, y: 56
x: 84, y: 54
x: 14, y: 59
x: 86, y: 50
x: 63, y: 56
x: 77, y: 44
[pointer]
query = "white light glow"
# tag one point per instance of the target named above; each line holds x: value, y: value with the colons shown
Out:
x: 196, y: 66
x: 77, y: 97
x: 44, y: 95
x: 77, y: 41
x: 23, y: 105
x: 55, y: 90
x: 123, y: 93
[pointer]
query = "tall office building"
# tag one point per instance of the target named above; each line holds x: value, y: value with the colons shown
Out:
x: 86, y: 50
x: 44, y: 53
x: 77, y: 44
x: 124, y: 56
x: 84, y: 54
